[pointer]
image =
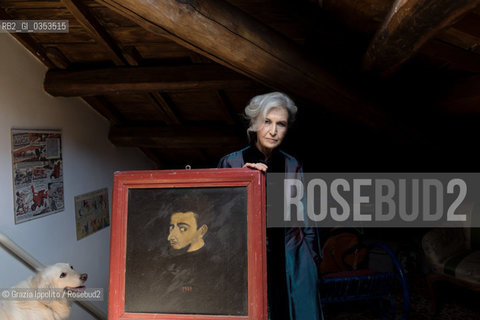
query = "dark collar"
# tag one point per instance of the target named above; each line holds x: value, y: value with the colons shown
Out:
x: 276, y: 162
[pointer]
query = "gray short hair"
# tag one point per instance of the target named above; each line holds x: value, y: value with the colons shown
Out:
x: 260, y: 105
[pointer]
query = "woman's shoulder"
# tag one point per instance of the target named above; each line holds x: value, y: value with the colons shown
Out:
x: 292, y: 164
x: 233, y: 160
x: 288, y: 157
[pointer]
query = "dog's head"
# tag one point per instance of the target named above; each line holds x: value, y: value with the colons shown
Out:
x: 61, y: 276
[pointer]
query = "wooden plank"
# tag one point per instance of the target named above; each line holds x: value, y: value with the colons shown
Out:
x: 164, y: 50
x: 135, y: 35
x: 147, y: 79
x: 461, y: 39
x: 451, y: 58
x: 111, y: 19
x: 37, y: 50
x: 29, y: 43
x: 408, y: 26
x: 75, y: 35
x: 106, y: 109
x: 82, y: 15
x: 166, y: 108
x: 182, y: 137
x: 144, y: 110
x: 228, y: 36
x: 196, y: 58
x: 57, y: 57
x: 85, y: 53
x: 43, y: 14
x: 159, y: 111
x: 51, y: 4
x: 131, y: 54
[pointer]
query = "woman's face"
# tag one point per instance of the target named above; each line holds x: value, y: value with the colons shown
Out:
x: 273, y: 129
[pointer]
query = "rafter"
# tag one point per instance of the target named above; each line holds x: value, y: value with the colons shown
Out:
x: 182, y: 137
x: 69, y: 83
x: 57, y: 57
x: 83, y: 16
x: 407, y: 27
x: 28, y: 42
x: 131, y: 54
x: 228, y: 36
x: 105, y: 108
x: 165, y: 108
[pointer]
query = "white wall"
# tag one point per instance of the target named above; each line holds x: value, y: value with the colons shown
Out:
x: 89, y: 161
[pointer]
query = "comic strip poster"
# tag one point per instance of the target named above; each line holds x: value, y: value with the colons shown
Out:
x: 91, y: 212
x: 37, y: 173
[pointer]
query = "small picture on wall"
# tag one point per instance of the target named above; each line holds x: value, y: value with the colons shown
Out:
x: 37, y: 173
x: 91, y: 212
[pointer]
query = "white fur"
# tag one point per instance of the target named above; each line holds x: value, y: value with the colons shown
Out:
x: 50, y: 277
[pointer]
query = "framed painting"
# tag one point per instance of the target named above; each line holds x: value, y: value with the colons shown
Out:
x: 188, y: 244
x: 37, y: 173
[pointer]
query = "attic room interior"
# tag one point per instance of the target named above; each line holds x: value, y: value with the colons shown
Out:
x: 380, y: 86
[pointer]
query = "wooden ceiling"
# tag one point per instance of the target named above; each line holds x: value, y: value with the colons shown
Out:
x: 380, y: 84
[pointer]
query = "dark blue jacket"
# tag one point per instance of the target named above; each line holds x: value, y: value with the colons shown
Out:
x: 300, y: 266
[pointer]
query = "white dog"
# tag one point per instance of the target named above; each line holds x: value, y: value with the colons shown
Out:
x: 58, y: 276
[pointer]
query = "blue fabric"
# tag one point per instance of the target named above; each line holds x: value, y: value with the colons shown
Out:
x: 300, y: 258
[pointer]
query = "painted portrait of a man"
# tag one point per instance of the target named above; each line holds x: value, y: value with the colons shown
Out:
x: 186, y: 251
x: 185, y: 231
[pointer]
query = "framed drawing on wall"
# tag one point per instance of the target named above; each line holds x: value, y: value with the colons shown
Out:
x: 188, y: 244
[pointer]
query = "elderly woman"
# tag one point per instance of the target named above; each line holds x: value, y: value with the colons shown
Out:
x: 291, y: 268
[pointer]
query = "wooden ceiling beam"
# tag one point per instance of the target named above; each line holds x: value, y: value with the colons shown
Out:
x: 167, y: 106
x: 29, y: 43
x: 407, y: 27
x: 169, y: 117
x: 176, y: 137
x: 228, y: 36
x: 70, y: 83
x: 85, y: 18
x: 106, y: 109
x: 133, y: 57
x: 57, y: 57
x: 31, y: 4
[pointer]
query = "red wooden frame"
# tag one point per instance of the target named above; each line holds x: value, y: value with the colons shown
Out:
x: 253, y: 180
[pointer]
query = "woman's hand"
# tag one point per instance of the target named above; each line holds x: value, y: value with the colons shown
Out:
x: 257, y: 166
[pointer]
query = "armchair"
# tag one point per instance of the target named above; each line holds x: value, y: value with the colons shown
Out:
x: 454, y: 256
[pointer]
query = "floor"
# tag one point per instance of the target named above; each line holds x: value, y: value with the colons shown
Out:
x: 454, y: 303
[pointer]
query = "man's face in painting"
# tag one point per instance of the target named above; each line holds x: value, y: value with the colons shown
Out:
x: 184, y: 231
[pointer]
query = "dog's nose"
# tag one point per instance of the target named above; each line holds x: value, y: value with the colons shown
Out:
x: 84, y: 277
